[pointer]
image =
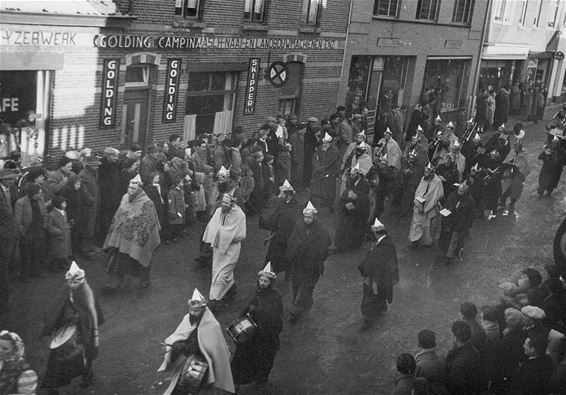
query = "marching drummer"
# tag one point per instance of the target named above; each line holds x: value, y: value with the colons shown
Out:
x: 73, y: 324
x: 253, y: 359
x: 197, y: 352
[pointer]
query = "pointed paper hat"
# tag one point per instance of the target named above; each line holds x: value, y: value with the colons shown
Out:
x: 268, y: 272
x: 357, y: 167
x: 383, y: 157
x: 223, y: 172
x: 419, y: 128
x: 310, y: 209
x: 197, y: 299
x: 377, y: 225
x: 430, y: 166
x: 438, y: 118
x: 450, y: 125
x: 477, y: 137
x: 555, y: 138
x: 327, y: 138
x: 136, y: 179
x: 362, y: 145
x: 475, y: 167
x: 471, y: 120
x: 286, y: 186
x: 457, y: 144
x: 75, y: 272
x: 388, y: 131
x: 502, y: 126
x: 362, y: 133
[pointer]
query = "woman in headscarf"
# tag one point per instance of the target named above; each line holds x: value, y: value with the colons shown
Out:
x: 16, y: 377
x: 74, y: 311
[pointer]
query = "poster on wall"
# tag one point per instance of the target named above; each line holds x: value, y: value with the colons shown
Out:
x: 251, y: 86
x: 171, y: 90
x: 110, y: 70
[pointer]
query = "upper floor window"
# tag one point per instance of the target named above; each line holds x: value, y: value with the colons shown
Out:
x: 386, y: 8
x: 311, y: 11
x: 463, y: 10
x: 553, y: 13
x: 137, y: 76
x: 254, y: 10
x: 503, y: 10
x: 536, y: 21
x: 428, y: 9
x: 524, y: 8
x: 188, y: 8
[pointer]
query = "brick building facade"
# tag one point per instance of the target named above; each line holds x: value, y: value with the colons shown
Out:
x: 137, y: 71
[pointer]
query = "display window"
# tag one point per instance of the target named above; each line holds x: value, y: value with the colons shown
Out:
x: 445, y: 83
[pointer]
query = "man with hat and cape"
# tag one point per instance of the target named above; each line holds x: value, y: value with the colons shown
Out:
x: 253, y: 359
x: 225, y: 232
x: 326, y: 166
x: 307, y: 250
x: 132, y: 237
x: 380, y: 272
x: 198, y: 340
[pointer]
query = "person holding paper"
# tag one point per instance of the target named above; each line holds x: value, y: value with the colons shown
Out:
x: 425, y: 225
x: 457, y: 218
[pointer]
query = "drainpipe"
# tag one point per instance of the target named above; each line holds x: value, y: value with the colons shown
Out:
x: 345, y: 47
x: 478, y: 65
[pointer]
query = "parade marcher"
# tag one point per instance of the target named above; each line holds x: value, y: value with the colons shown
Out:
x: 516, y: 169
x: 225, y: 232
x: 551, y: 169
x: 418, y: 119
x: 8, y: 233
x: 30, y: 217
x: 425, y: 224
x: 389, y: 148
x: 281, y: 224
x: 109, y: 177
x: 457, y: 218
x: 307, y: 250
x: 353, y: 212
x: 132, y: 238
x: 471, y: 150
x: 253, y: 360
x: 500, y: 141
x: 419, y: 146
x: 89, y: 180
x: 297, y: 140
x: 447, y: 171
x: 380, y: 272
x: 59, y: 233
x: 198, y: 341
x: 491, y: 183
x: 346, y: 159
x: 360, y: 160
x: 78, y: 204
x: 326, y: 166
x: 412, y: 171
x: 16, y: 376
x: 75, y: 312
x: 458, y: 158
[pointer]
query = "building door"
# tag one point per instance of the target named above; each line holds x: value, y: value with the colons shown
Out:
x: 134, y: 117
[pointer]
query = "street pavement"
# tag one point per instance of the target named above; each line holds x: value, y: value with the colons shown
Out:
x: 324, y: 353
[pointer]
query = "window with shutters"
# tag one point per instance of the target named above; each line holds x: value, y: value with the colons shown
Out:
x: 463, y: 10
x: 188, y: 8
x: 386, y: 8
x: 311, y: 12
x: 254, y: 10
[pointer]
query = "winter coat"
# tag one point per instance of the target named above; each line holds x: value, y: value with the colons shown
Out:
x: 23, y: 214
x: 59, y: 233
x: 89, y: 178
x: 464, y: 370
x: 176, y: 206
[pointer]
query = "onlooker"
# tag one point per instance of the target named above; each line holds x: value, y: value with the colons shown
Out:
x: 407, y: 383
x: 463, y: 362
x: 176, y: 211
x: 59, y: 232
x: 533, y: 376
x: 430, y: 365
x: 89, y: 179
x: 469, y: 312
x: 8, y: 233
x: 79, y: 202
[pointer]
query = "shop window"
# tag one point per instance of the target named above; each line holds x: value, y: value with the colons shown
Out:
x: 386, y: 8
x: 428, y: 9
x: 553, y: 13
x: 463, y: 10
x: 210, y: 103
x: 524, y: 8
x: 137, y: 76
x: 445, y: 83
x: 254, y: 10
x: 188, y: 8
x: 311, y: 12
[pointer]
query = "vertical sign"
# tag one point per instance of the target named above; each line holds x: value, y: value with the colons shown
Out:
x: 251, y: 86
x: 171, y: 90
x: 110, y: 70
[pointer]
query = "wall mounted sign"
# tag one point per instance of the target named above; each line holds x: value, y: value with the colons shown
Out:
x: 278, y: 74
x: 251, y: 86
x: 110, y: 71
x: 171, y: 90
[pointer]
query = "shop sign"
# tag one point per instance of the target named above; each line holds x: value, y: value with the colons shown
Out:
x: 110, y: 70
x: 171, y: 90
x: 558, y: 55
x: 278, y: 74
x: 39, y: 38
x: 251, y: 86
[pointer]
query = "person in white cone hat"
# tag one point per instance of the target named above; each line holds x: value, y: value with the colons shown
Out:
x: 359, y: 138
x: 253, y: 360
x: 77, y: 297
x: 551, y: 169
x: 380, y: 273
x: 198, y: 344
x: 326, y: 167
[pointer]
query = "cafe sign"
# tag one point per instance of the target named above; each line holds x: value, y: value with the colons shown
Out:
x: 171, y: 90
x: 110, y: 70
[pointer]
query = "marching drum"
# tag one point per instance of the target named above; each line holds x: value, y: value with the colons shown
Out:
x: 192, y: 374
x: 242, y: 329
x: 66, y: 343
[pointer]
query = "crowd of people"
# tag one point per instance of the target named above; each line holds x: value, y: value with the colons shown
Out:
x: 125, y: 204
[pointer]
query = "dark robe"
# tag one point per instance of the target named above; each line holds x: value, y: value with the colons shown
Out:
x: 352, y: 223
x: 326, y: 165
x: 297, y: 159
x: 309, y: 148
x: 78, y: 205
x: 501, y: 108
x: 459, y: 222
x: 550, y: 172
x: 491, y: 183
x: 281, y: 223
x: 307, y: 250
x: 412, y: 172
x: 109, y: 179
x: 253, y: 360
x: 380, y: 271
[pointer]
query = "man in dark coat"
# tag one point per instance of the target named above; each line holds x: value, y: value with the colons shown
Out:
x: 380, y: 272
x: 253, y: 359
x: 109, y: 177
x: 8, y: 233
x: 469, y: 313
x: 311, y: 141
x: 89, y: 178
x: 307, y: 250
x: 281, y: 223
x: 326, y: 166
x: 297, y: 139
x: 457, y: 219
x: 152, y: 161
x: 501, y: 107
x: 353, y: 212
x: 551, y: 169
x: 418, y: 118
x: 463, y: 363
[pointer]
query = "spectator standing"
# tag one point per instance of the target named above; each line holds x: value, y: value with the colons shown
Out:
x: 109, y: 177
x: 469, y: 312
x: 79, y: 202
x: 430, y: 365
x: 463, y: 363
x: 407, y: 383
x: 59, y: 232
x: 89, y: 178
x: 8, y: 233
x: 176, y: 211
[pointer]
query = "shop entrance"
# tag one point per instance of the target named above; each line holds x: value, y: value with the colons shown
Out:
x: 134, y: 117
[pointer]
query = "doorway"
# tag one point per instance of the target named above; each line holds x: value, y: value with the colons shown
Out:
x: 134, y: 117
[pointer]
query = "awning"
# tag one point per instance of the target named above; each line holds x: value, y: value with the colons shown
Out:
x: 510, y: 52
